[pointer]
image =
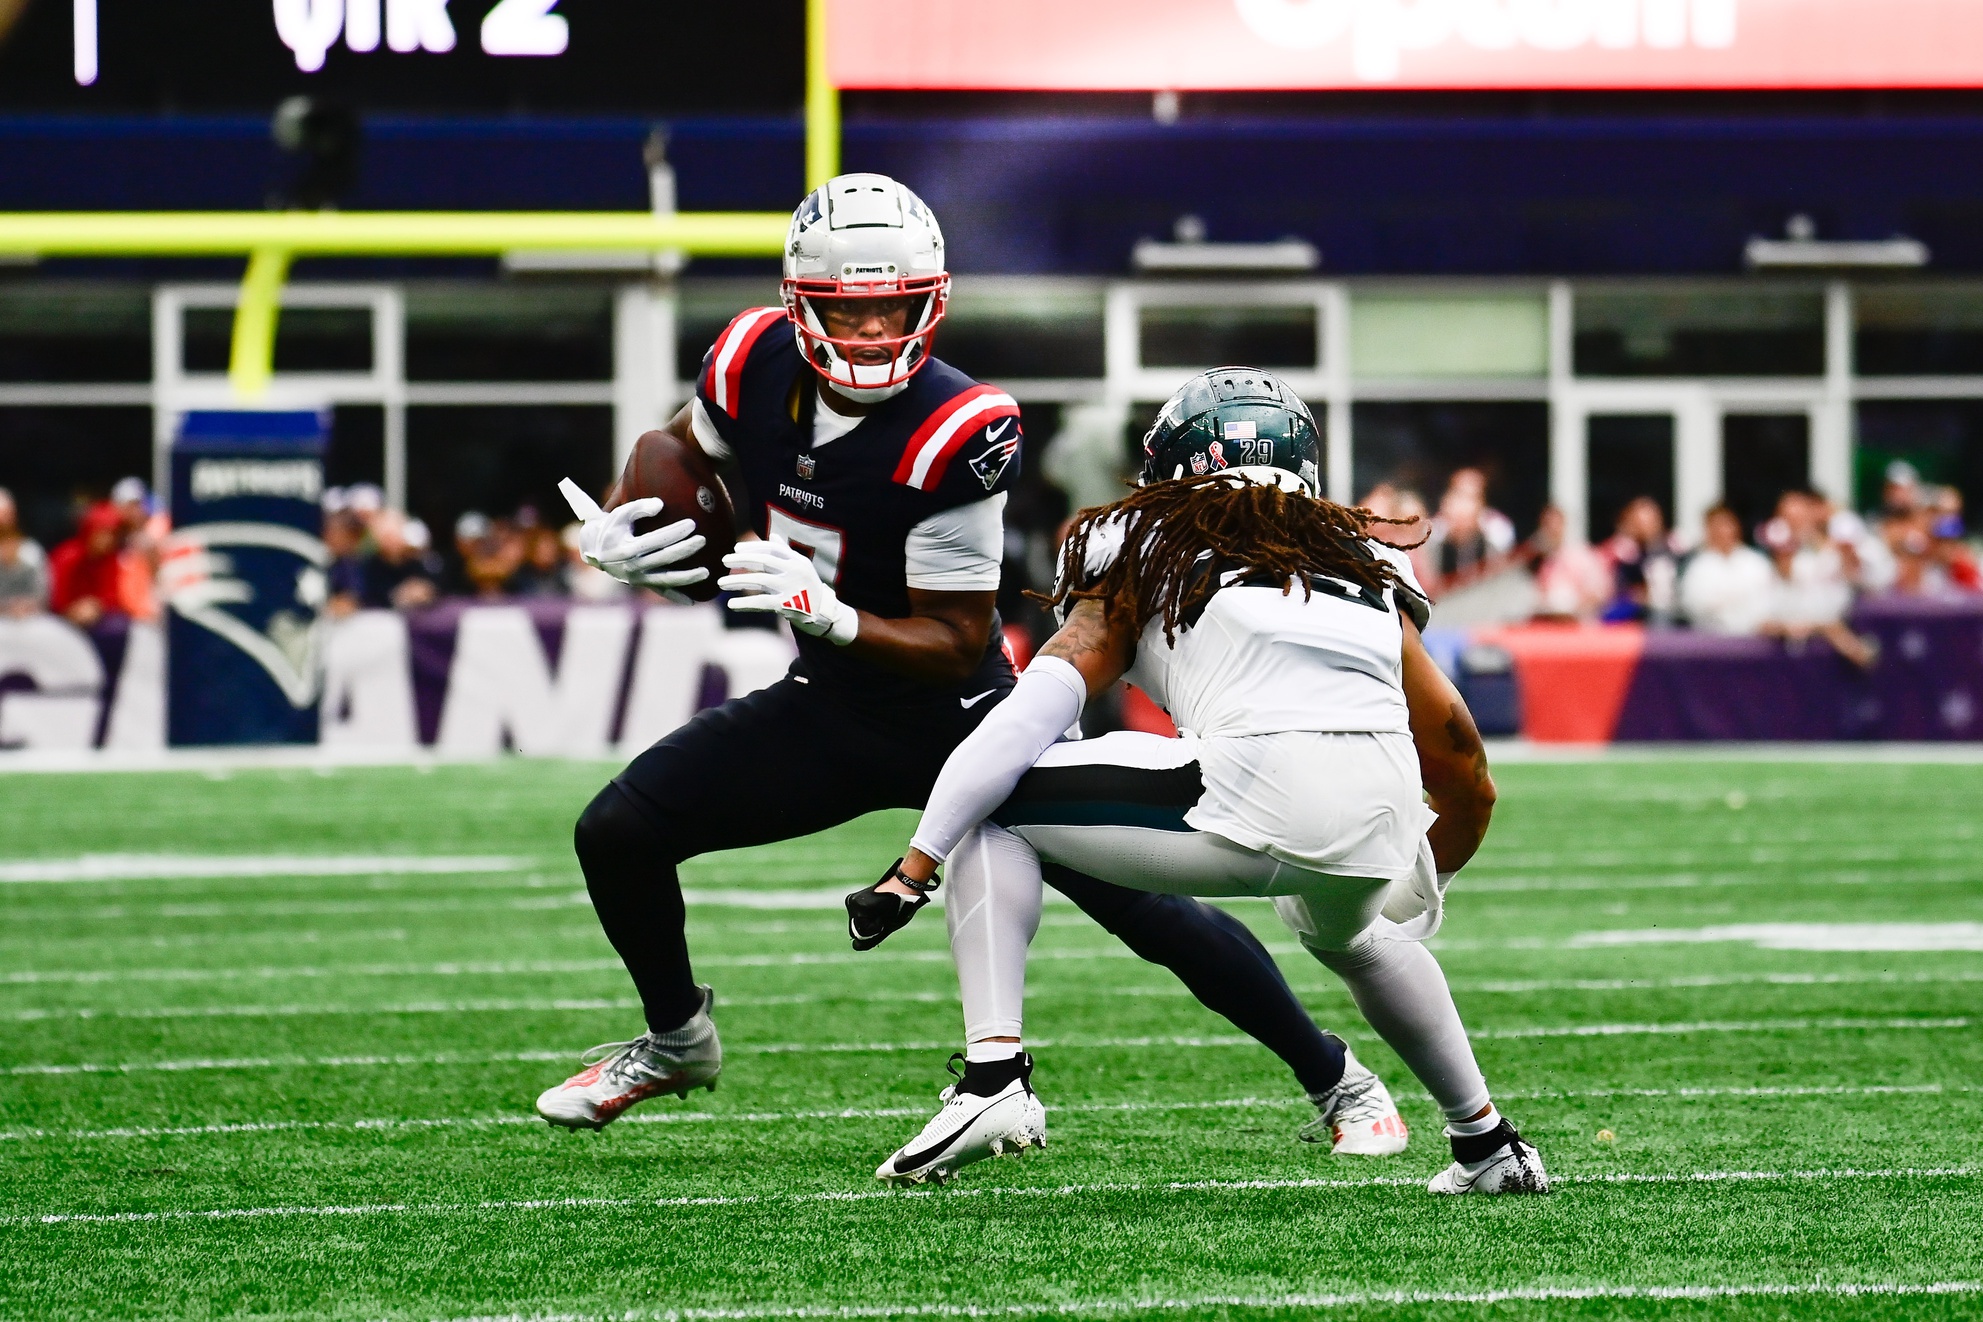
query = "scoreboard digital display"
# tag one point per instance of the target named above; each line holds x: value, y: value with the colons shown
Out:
x: 469, y: 55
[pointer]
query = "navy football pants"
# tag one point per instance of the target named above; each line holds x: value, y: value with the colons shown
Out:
x: 790, y: 760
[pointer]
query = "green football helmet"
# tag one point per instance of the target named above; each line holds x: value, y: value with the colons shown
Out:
x: 1233, y: 417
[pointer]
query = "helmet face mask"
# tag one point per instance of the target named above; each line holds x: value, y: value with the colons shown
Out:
x: 861, y: 248
x: 1235, y: 419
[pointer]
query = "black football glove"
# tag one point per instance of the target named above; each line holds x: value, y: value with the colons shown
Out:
x: 874, y: 915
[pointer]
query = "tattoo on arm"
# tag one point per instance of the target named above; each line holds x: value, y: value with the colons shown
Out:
x: 1465, y: 738
x: 1085, y: 633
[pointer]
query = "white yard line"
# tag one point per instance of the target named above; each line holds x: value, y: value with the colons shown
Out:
x: 1827, y: 1175
x: 1267, y: 1302
x: 166, y: 867
x: 534, y: 1006
x: 505, y: 968
x: 684, y: 1117
x: 1901, y: 1024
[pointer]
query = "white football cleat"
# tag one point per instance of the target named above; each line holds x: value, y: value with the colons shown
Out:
x: 1358, y: 1117
x: 971, y: 1127
x: 1510, y: 1165
x: 651, y: 1065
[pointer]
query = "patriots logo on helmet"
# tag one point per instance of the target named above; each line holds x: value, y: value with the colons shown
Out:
x: 1218, y: 453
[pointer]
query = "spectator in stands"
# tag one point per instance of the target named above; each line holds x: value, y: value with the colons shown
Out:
x: 1810, y: 593
x: 86, y: 574
x: 144, y: 532
x: 1470, y: 539
x: 23, y: 567
x: 1870, y: 565
x: 403, y: 572
x: 1644, y: 562
x: 490, y: 552
x: 1408, y: 533
x: 344, y: 539
x: 1950, y: 544
x: 1572, y: 581
x: 1727, y: 586
x: 545, y: 569
x: 364, y: 501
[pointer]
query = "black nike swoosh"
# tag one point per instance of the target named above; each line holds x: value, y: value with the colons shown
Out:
x: 909, y: 1160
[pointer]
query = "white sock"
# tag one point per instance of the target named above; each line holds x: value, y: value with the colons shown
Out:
x: 1402, y: 992
x: 992, y: 893
x: 1469, y: 1128
x: 984, y: 1053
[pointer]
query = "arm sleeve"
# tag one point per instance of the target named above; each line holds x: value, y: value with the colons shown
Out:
x: 959, y: 550
x: 983, y: 769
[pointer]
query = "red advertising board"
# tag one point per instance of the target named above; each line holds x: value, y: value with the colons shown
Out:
x: 1232, y: 45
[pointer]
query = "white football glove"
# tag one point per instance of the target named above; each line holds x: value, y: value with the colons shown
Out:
x: 783, y: 580
x: 606, y: 541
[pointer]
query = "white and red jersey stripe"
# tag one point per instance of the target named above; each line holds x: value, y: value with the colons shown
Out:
x: 732, y: 347
x: 944, y: 432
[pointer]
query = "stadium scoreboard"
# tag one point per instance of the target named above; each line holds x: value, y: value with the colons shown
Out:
x: 465, y: 55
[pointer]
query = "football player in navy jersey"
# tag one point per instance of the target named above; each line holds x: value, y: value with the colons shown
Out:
x: 875, y: 477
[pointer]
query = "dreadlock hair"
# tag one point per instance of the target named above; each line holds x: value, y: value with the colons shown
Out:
x: 1180, y: 536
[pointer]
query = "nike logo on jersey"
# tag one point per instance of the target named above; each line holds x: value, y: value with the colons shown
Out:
x: 968, y: 703
x: 800, y: 602
x: 993, y: 433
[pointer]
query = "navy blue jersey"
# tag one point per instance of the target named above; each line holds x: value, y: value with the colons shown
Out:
x: 943, y: 442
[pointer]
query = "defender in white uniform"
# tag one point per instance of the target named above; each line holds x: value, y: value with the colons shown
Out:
x: 1313, y: 728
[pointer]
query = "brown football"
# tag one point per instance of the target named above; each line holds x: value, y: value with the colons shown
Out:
x: 681, y: 475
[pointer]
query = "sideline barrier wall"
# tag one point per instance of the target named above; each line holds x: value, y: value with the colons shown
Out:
x: 552, y: 678
x: 462, y: 679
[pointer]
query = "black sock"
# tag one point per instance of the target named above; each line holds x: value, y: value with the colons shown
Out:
x: 1220, y: 960
x: 1470, y: 1148
x: 630, y: 874
x: 986, y: 1078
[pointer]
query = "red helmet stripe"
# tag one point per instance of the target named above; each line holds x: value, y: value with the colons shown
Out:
x: 733, y: 346
x: 943, y: 434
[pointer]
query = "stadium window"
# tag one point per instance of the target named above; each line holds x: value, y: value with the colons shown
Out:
x: 1909, y: 330
x: 1394, y: 336
x: 1763, y: 455
x: 495, y: 459
x: 705, y: 306
x: 1750, y: 331
x: 1942, y: 438
x: 1628, y: 455
x: 357, y: 445
x: 1419, y: 446
x: 533, y: 332
x: 76, y: 332
x: 306, y: 339
x: 1268, y: 335
x: 1016, y: 329
x: 58, y: 460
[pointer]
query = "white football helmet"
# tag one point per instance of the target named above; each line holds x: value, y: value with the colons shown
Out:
x: 865, y: 237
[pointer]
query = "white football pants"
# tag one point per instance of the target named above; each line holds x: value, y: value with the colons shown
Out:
x: 1117, y: 815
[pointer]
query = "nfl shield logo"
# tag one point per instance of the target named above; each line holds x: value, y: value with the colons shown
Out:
x: 1198, y: 465
x: 807, y: 467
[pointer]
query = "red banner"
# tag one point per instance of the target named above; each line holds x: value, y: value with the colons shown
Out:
x: 1240, y: 45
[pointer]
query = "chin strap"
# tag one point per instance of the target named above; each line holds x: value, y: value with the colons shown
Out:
x: 874, y: 915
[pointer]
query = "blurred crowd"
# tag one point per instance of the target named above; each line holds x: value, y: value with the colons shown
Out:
x: 1794, y: 575
x: 104, y: 573
x: 384, y: 559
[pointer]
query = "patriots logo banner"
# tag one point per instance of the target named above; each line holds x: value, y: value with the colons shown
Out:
x: 243, y: 579
x: 990, y: 465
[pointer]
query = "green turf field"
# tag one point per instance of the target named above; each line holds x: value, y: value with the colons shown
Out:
x: 251, y: 1091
